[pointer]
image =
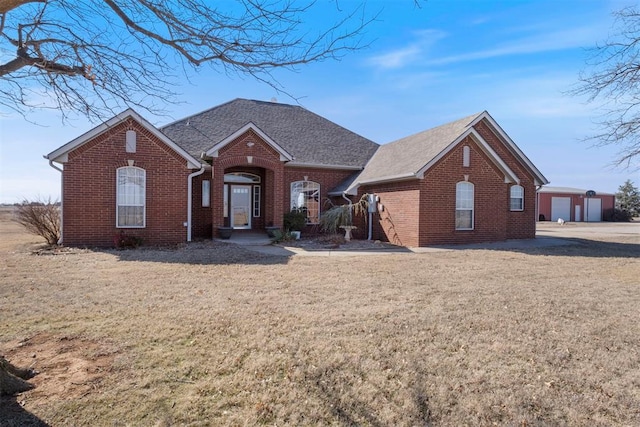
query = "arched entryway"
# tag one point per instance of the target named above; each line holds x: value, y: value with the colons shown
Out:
x: 243, y: 204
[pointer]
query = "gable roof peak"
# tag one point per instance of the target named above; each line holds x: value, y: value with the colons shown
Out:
x: 61, y: 154
x: 303, y: 135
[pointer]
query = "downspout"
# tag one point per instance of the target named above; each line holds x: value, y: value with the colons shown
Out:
x: 190, y: 199
x: 538, y: 187
x: 61, y: 197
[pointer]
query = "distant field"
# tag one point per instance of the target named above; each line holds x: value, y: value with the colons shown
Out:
x: 213, y: 334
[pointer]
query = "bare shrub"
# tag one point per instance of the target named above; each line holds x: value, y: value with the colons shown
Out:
x: 40, y: 217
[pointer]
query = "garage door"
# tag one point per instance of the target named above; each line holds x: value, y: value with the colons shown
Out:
x: 593, y: 210
x: 561, y: 208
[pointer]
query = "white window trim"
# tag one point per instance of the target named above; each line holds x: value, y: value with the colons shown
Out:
x: 292, y: 203
x: 144, y: 205
x: 473, y: 201
x: 521, y: 198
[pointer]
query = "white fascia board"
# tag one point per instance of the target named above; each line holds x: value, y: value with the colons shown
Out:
x: 539, y: 179
x: 323, y: 166
x: 61, y: 154
x: 509, y: 175
x: 284, y: 155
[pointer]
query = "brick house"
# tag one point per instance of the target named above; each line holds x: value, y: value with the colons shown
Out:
x: 245, y: 163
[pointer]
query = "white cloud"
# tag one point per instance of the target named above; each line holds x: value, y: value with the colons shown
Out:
x: 410, y: 53
x: 544, y: 41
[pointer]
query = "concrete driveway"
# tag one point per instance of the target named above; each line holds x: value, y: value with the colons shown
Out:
x: 587, y: 230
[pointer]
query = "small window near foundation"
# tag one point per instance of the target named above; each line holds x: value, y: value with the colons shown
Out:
x: 466, y: 156
x: 130, y: 145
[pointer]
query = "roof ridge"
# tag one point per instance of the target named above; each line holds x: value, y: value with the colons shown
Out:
x: 470, y: 119
x: 206, y: 110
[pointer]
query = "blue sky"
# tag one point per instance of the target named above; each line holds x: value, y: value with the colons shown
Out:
x: 424, y: 67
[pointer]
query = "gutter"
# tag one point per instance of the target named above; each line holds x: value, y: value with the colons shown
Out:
x: 190, y: 199
x: 61, y: 198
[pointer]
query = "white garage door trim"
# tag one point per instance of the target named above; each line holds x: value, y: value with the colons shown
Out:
x: 561, y: 208
x: 593, y: 210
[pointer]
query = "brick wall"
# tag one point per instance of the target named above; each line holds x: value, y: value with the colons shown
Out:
x: 201, y: 221
x: 328, y: 180
x: 89, y: 195
x: 520, y: 225
x: 422, y: 212
x: 399, y: 219
x: 438, y: 199
x: 249, y: 153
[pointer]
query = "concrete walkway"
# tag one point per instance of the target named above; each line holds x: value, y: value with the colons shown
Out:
x: 262, y: 244
x: 548, y: 235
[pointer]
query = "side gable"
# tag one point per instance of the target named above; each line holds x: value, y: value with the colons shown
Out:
x: 61, y: 155
x: 509, y: 175
x: 539, y: 179
x: 412, y: 156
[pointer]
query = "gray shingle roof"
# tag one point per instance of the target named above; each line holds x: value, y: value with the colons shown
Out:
x: 309, y: 138
x: 408, y: 155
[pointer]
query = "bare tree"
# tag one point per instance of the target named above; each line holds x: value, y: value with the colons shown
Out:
x: 94, y: 56
x: 613, y: 77
x: 40, y: 217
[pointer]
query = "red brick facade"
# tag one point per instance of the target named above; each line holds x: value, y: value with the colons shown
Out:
x: 414, y: 212
x: 421, y: 212
x: 89, y: 196
x: 250, y: 154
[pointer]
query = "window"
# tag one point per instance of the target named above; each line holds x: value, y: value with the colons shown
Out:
x: 226, y: 200
x: 130, y: 197
x: 517, y: 198
x: 206, y: 193
x: 466, y: 156
x: 464, y: 206
x: 256, y: 201
x: 305, y: 196
x: 130, y: 141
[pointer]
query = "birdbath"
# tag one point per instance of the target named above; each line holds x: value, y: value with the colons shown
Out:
x: 347, y: 231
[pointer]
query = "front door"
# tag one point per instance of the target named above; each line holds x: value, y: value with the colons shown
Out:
x: 240, y: 206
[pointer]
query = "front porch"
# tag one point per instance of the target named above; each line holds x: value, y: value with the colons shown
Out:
x: 247, y: 238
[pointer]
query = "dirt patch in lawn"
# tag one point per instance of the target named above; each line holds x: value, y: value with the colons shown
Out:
x: 213, y: 334
x: 68, y: 367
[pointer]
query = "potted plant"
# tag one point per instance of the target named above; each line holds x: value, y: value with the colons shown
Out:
x: 225, y: 232
x: 271, y: 230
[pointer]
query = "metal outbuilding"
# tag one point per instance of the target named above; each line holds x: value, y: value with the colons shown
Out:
x: 574, y: 204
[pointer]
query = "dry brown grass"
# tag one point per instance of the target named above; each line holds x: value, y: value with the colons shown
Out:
x: 208, y: 335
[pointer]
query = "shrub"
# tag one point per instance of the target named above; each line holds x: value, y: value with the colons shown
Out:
x: 40, y: 217
x: 342, y: 215
x: 295, y: 220
x: 336, y: 216
x: 126, y: 241
x: 618, y: 215
x: 280, y: 236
